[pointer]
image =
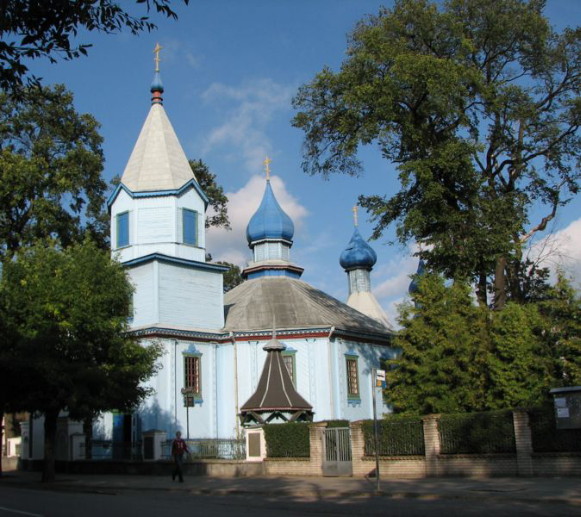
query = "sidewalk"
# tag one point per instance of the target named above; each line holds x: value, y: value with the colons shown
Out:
x: 316, y: 488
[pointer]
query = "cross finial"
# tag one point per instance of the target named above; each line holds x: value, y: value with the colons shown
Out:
x: 355, y: 208
x: 266, y: 162
x: 156, y: 50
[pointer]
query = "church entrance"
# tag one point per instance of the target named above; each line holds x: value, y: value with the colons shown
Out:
x: 337, y: 452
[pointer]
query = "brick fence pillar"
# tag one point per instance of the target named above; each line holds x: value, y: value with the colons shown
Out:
x: 524, y: 442
x: 316, y: 443
x: 432, y: 444
x: 358, y: 449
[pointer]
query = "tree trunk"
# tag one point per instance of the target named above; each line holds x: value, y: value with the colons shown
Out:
x: 1, y: 435
x: 500, y: 284
x: 88, y: 431
x: 50, y: 425
x: 481, y: 293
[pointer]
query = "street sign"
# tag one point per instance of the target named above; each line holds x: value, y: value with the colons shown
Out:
x: 380, y: 378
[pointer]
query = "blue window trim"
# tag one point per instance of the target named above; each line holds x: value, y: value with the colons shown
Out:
x: 195, y: 397
x: 353, y: 397
x: 122, y: 220
x: 190, y: 227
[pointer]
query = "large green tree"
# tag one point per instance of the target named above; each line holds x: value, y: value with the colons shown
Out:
x: 66, y: 312
x: 457, y: 356
x: 440, y: 365
x: 50, y: 170
x: 477, y: 103
x: 32, y: 29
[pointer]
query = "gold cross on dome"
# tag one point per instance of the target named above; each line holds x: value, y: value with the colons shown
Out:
x: 156, y: 50
x: 267, y: 162
x: 355, y: 208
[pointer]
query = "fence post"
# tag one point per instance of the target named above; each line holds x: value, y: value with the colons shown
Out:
x: 524, y: 442
x: 357, y: 448
x: 432, y: 444
x: 316, y: 444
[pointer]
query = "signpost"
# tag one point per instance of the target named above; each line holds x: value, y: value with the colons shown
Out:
x: 377, y: 381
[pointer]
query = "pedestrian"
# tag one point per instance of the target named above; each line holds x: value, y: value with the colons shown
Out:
x: 178, y: 449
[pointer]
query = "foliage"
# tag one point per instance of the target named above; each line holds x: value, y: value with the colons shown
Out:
x: 66, y: 311
x: 336, y: 423
x: 50, y: 170
x: 290, y: 440
x: 456, y: 356
x: 31, y: 29
x: 441, y: 365
x: 215, y: 194
x: 480, y: 115
x: 232, y: 277
x: 477, y: 433
x: 518, y: 364
x: 561, y: 312
x: 397, y: 436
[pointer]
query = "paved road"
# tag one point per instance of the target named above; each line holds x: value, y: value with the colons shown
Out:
x: 47, y: 503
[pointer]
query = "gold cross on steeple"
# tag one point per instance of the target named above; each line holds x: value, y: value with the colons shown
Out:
x: 156, y: 50
x: 355, y: 208
x: 266, y: 162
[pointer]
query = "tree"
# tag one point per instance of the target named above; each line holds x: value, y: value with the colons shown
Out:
x: 440, y: 367
x: 215, y: 193
x: 232, y: 277
x: 50, y: 170
x: 67, y: 312
x: 561, y: 311
x: 457, y: 356
x: 480, y: 115
x: 32, y: 29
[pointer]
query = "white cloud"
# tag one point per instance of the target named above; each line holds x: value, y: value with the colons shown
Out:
x: 561, y: 250
x: 247, y: 112
x: 393, y: 290
x: 231, y: 246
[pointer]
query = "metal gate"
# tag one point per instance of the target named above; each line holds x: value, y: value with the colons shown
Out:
x: 337, y: 452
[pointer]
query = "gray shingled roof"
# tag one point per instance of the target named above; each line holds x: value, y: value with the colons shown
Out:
x: 288, y: 303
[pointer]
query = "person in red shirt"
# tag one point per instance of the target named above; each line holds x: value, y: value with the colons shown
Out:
x: 178, y: 449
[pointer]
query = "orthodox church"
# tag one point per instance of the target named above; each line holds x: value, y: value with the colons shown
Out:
x: 272, y: 349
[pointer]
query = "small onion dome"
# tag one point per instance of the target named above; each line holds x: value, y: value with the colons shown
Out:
x: 270, y: 221
x: 358, y: 253
x: 156, y: 84
x: 413, y: 288
x: 156, y: 89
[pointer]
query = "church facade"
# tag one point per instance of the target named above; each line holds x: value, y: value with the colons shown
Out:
x: 217, y: 347
x: 213, y: 343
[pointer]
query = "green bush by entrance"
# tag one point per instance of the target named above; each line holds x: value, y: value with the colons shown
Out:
x: 287, y: 440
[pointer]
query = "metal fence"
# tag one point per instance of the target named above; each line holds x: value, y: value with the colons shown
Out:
x: 109, y: 450
x: 395, y: 438
x: 547, y: 438
x: 211, y: 449
x: 477, y: 433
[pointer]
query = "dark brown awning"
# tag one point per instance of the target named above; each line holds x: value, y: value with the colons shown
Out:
x: 275, y: 392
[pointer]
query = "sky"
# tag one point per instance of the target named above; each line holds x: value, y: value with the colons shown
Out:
x: 230, y: 69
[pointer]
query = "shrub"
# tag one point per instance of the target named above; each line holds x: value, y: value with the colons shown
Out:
x: 289, y: 440
x: 398, y: 436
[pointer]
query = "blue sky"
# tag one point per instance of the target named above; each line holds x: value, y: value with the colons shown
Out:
x: 230, y: 69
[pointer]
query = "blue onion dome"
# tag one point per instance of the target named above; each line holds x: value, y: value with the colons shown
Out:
x: 358, y: 254
x: 413, y: 288
x: 270, y: 221
x: 156, y: 84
